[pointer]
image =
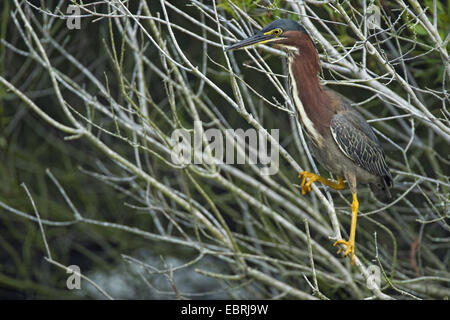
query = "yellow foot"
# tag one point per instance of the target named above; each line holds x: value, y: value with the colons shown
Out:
x: 306, y: 185
x: 312, y: 177
x: 350, y: 248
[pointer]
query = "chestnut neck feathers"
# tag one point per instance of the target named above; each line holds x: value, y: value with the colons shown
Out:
x: 304, y: 69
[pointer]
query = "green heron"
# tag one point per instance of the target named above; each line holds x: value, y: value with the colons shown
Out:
x: 337, y: 135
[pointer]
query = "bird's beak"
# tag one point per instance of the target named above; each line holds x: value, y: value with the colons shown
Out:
x: 257, y: 38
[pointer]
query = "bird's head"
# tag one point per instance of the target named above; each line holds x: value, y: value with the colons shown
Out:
x: 284, y: 33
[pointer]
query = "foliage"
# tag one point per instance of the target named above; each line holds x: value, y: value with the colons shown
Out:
x: 87, y: 118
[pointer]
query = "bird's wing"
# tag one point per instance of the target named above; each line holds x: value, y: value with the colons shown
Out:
x: 357, y: 141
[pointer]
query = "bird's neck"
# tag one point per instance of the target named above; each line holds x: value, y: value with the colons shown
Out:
x: 314, y: 110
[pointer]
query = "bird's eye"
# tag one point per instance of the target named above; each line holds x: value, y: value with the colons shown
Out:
x: 276, y: 32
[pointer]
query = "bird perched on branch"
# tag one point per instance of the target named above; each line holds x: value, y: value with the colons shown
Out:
x: 337, y: 135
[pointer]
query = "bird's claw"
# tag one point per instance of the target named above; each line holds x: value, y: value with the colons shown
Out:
x: 306, y: 185
x: 350, y: 249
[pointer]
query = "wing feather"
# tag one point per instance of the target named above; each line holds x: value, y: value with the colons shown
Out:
x: 357, y: 141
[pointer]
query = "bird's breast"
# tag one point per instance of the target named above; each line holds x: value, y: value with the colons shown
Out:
x: 306, y: 115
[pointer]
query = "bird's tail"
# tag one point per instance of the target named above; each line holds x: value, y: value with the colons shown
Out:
x: 381, y: 188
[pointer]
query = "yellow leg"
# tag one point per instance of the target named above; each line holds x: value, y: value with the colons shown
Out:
x: 312, y: 177
x: 350, y: 244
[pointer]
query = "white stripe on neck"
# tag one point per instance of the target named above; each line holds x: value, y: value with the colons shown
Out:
x: 304, y: 119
